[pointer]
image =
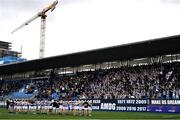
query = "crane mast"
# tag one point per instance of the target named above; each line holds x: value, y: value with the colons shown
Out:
x: 43, y: 16
x: 42, y: 36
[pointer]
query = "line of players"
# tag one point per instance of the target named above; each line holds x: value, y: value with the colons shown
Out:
x: 76, y: 107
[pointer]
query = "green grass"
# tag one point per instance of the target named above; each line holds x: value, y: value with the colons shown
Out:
x: 95, y: 115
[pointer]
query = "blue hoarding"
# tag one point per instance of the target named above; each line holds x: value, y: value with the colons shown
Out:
x: 163, y: 108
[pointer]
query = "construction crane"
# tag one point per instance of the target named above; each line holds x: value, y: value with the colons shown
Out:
x: 43, y: 16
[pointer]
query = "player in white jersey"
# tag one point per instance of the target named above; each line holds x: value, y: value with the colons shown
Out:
x: 18, y: 106
x: 75, y: 107
x: 15, y: 106
x: 71, y: 107
x: 60, y: 106
x: 80, y: 111
x: 65, y: 107
x: 43, y: 107
x: 24, y: 106
x: 48, y: 106
x: 38, y: 106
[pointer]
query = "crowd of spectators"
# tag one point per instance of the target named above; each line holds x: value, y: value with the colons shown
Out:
x: 157, y: 81
x: 9, y: 86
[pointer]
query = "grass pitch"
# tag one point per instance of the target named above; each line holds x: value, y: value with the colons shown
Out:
x: 4, y: 114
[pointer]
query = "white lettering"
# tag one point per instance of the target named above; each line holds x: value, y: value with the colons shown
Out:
x: 108, y: 106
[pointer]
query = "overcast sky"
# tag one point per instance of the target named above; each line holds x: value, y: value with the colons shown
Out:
x: 78, y: 25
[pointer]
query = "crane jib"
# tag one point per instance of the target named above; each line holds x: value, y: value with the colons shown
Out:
x: 43, y: 25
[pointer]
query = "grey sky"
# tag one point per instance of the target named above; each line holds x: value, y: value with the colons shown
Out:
x: 21, y: 4
x: 171, y: 1
x: 32, y: 4
x: 78, y: 25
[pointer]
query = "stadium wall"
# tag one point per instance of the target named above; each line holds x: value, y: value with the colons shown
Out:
x: 131, y: 105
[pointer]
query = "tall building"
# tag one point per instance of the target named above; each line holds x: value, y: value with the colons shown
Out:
x: 7, y: 55
x: 5, y: 50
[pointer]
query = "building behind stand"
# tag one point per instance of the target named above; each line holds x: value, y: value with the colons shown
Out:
x: 7, y: 55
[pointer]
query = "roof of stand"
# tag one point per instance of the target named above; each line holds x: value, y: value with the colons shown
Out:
x: 148, y: 48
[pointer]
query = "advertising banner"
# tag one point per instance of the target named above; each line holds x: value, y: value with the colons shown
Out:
x: 2, y: 104
x: 165, y: 102
x: 163, y: 108
x: 120, y: 104
x: 137, y: 105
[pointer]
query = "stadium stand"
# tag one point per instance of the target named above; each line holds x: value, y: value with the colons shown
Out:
x: 158, y: 81
x: 68, y: 77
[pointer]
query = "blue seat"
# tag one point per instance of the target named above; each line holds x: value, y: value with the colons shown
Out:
x: 21, y: 95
